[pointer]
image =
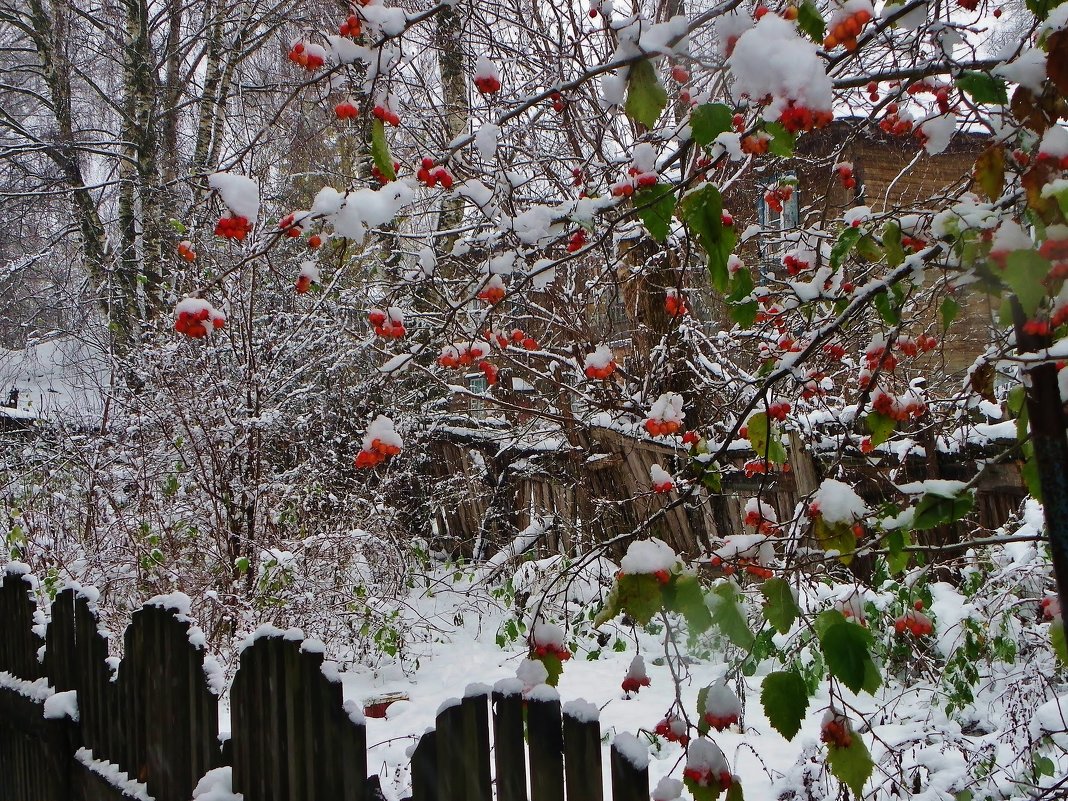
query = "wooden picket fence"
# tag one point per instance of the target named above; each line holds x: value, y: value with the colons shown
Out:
x: 153, y: 716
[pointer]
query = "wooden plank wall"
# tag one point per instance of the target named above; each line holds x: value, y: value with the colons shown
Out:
x: 599, y: 488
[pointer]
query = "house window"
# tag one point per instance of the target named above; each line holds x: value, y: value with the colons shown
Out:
x: 777, y: 212
x: 478, y: 386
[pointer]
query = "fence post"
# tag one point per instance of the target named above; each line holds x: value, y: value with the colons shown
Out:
x: 546, y: 744
x: 509, y: 751
x: 630, y: 768
x: 425, y: 768
x: 582, y: 751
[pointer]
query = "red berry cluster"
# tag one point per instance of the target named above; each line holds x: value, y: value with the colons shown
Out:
x: 796, y: 118
x: 675, y: 304
x: 196, y: 318
x: 755, y: 144
x: 778, y: 410
x: 704, y: 777
x: 720, y: 722
x: 431, y: 176
x: 600, y: 373
x: 232, y: 227
x: 893, y: 407
x: 844, y: 171
x: 1058, y: 162
x: 385, y: 114
x: 921, y: 344
x: 380, y: 176
x: 636, y: 677
x: 559, y: 651
x: 308, y: 275
x: 559, y: 104
x: 352, y: 27
x: 673, y: 729
x: 878, y: 356
x: 914, y: 621
x: 310, y: 59
x: 663, y: 487
x: 493, y: 292
x: 1050, y: 606
x: 346, y: 110
x: 488, y: 84
x: 846, y: 30
x: 691, y: 438
x: 315, y: 241
x: 793, y: 264
x: 463, y: 354
x: 755, y: 519
x: 376, y: 454
x: 661, y: 428
x: 577, y: 241
x: 387, y: 323
x: 836, y: 732
x: 778, y: 195
x: 744, y: 564
x: 894, y: 124
x: 185, y: 250
x: 940, y: 92
x: 873, y: 91
x: 289, y: 226
x: 680, y: 74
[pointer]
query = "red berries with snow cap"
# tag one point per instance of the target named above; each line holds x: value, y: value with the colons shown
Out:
x: 387, y: 323
x: 665, y: 415
x: 661, y: 478
x: 722, y: 707
x: 600, y: 364
x: 309, y: 274
x: 196, y: 318
x: 836, y: 730
x: 185, y: 250
x: 487, y: 79
x: 636, y: 677
x: 232, y: 227
x: 379, y: 443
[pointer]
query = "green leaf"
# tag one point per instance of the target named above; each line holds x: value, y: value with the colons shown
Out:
x: 743, y: 310
x: 702, y: 210
x: 852, y: 766
x: 881, y: 427
x: 934, y: 510
x: 640, y: 596
x: 846, y: 241
x: 983, y: 87
x: 868, y: 249
x: 990, y: 171
x: 780, y: 607
x: 782, y: 142
x: 811, y: 21
x: 1024, y: 273
x: 1057, y: 640
x: 1041, y: 8
x: 655, y: 206
x: 646, y: 97
x: 734, y: 792
x: 845, y: 646
x: 785, y: 700
x: 895, y: 254
x: 886, y: 309
x: 764, y: 439
x: 553, y: 666
x: 702, y: 702
x: 898, y: 558
x: 684, y: 594
x: 177, y: 225
x: 949, y: 310
x: 383, y: 159
x: 241, y: 564
x: 708, y: 121
x: 727, y: 615
x: 837, y: 537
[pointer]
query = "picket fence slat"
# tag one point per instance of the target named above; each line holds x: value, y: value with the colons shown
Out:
x: 629, y: 782
x: 545, y: 744
x: 582, y: 758
x: 509, y: 757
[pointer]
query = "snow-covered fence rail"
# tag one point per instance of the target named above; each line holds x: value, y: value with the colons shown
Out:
x: 78, y: 725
